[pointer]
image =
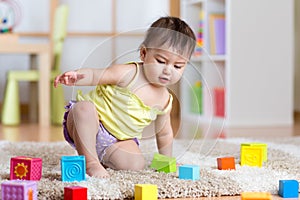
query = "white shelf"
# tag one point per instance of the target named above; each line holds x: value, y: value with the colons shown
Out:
x: 258, y: 77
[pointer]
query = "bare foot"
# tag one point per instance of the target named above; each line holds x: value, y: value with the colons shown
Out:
x: 95, y: 169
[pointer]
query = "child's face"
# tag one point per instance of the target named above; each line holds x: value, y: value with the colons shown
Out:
x: 162, y: 67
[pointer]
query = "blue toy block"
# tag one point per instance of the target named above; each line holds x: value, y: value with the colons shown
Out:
x: 288, y: 188
x: 73, y: 168
x: 189, y: 172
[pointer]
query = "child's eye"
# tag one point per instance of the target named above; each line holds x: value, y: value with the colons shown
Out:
x: 177, y: 66
x: 160, y: 61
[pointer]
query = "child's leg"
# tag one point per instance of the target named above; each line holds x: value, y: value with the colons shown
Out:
x: 124, y: 155
x: 82, y: 125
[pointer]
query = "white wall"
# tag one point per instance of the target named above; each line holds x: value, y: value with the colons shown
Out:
x: 95, y: 16
x: 261, y: 63
x: 297, y: 56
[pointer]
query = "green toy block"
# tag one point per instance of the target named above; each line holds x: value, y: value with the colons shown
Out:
x: 262, y: 145
x: 163, y: 163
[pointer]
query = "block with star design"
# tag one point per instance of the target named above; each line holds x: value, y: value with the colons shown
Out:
x: 25, y: 168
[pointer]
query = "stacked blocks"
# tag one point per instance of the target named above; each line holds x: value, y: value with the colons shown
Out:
x: 75, y: 193
x: 189, y: 172
x: 19, y: 190
x: 288, y: 188
x: 256, y: 196
x: 226, y: 163
x: 145, y: 192
x: 163, y: 163
x: 25, y: 168
x: 73, y: 168
x: 253, y: 154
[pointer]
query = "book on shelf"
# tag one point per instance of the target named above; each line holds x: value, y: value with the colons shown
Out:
x: 217, y: 33
x: 219, y: 101
x: 196, y: 98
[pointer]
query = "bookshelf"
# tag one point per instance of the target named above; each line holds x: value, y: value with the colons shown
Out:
x: 256, y: 68
x: 206, y: 66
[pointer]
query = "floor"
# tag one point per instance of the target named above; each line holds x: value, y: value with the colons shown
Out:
x: 32, y: 132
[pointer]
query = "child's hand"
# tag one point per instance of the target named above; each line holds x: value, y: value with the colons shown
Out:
x: 68, y: 78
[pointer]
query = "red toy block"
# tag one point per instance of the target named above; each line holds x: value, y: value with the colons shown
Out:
x: 226, y: 163
x: 75, y: 193
x: 25, y: 168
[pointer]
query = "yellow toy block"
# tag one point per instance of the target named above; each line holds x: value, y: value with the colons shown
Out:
x: 252, y: 155
x: 264, y: 146
x: 145, y: 192
x: 256, y: 196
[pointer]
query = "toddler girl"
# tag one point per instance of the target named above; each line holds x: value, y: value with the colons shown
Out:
x: 105, y: 125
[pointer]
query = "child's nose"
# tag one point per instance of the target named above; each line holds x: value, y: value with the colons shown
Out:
x: 167, y: 69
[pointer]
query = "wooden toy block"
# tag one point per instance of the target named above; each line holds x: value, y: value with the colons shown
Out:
x: 163, y: 163
x: 19, y: 190
x: 252, y: 155
x: 73, y: 168
x: 226, y: 163
x: 189, y: 172
x: 25, y: 168
x: 288, y: 188
x: 264, y: 146
x: 256, y: 196
x: 145, y: 192
x: 75, y: 193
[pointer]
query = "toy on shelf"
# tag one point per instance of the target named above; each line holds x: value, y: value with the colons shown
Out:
x: 288, y: 189
x: 226, y: 163
x: 145, y: 192
x: 189, y: 172
x: 10, y: 15
x: 19, y: 190
x: 163, y: 163
x: 75, y: 193
x: 25, y: 168
x: 73, y: 168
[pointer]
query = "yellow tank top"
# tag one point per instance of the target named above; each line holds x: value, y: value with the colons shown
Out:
x: 122, y: 112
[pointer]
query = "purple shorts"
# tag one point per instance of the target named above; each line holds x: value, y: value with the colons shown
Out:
x: 104, y: 139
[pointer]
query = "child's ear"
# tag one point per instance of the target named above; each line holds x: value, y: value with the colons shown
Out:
x: 143, y: 52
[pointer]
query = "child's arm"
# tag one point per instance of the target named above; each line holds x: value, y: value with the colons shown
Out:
x: 92, y: 76
x: 164, y: 134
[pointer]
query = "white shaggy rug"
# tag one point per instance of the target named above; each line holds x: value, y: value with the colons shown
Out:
x: 283, y: 163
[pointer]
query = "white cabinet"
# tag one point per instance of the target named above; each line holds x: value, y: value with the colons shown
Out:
x: 256, y: 69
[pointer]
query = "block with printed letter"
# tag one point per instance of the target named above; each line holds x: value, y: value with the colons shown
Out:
x: 226, y: 163
x: 73, y: 168
x: 256, y: 196
x: 145, y: 192
x: 25, y: 168
x: 189, y: 172
x: 19, y: 190
x: 163, y: 163
x: 288, y: 188
x: 75, y: 193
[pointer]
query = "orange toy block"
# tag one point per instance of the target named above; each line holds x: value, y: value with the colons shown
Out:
x: 226, y: 163
x: 256, y: 196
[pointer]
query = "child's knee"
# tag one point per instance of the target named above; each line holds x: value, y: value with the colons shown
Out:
x: 84, y: 108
